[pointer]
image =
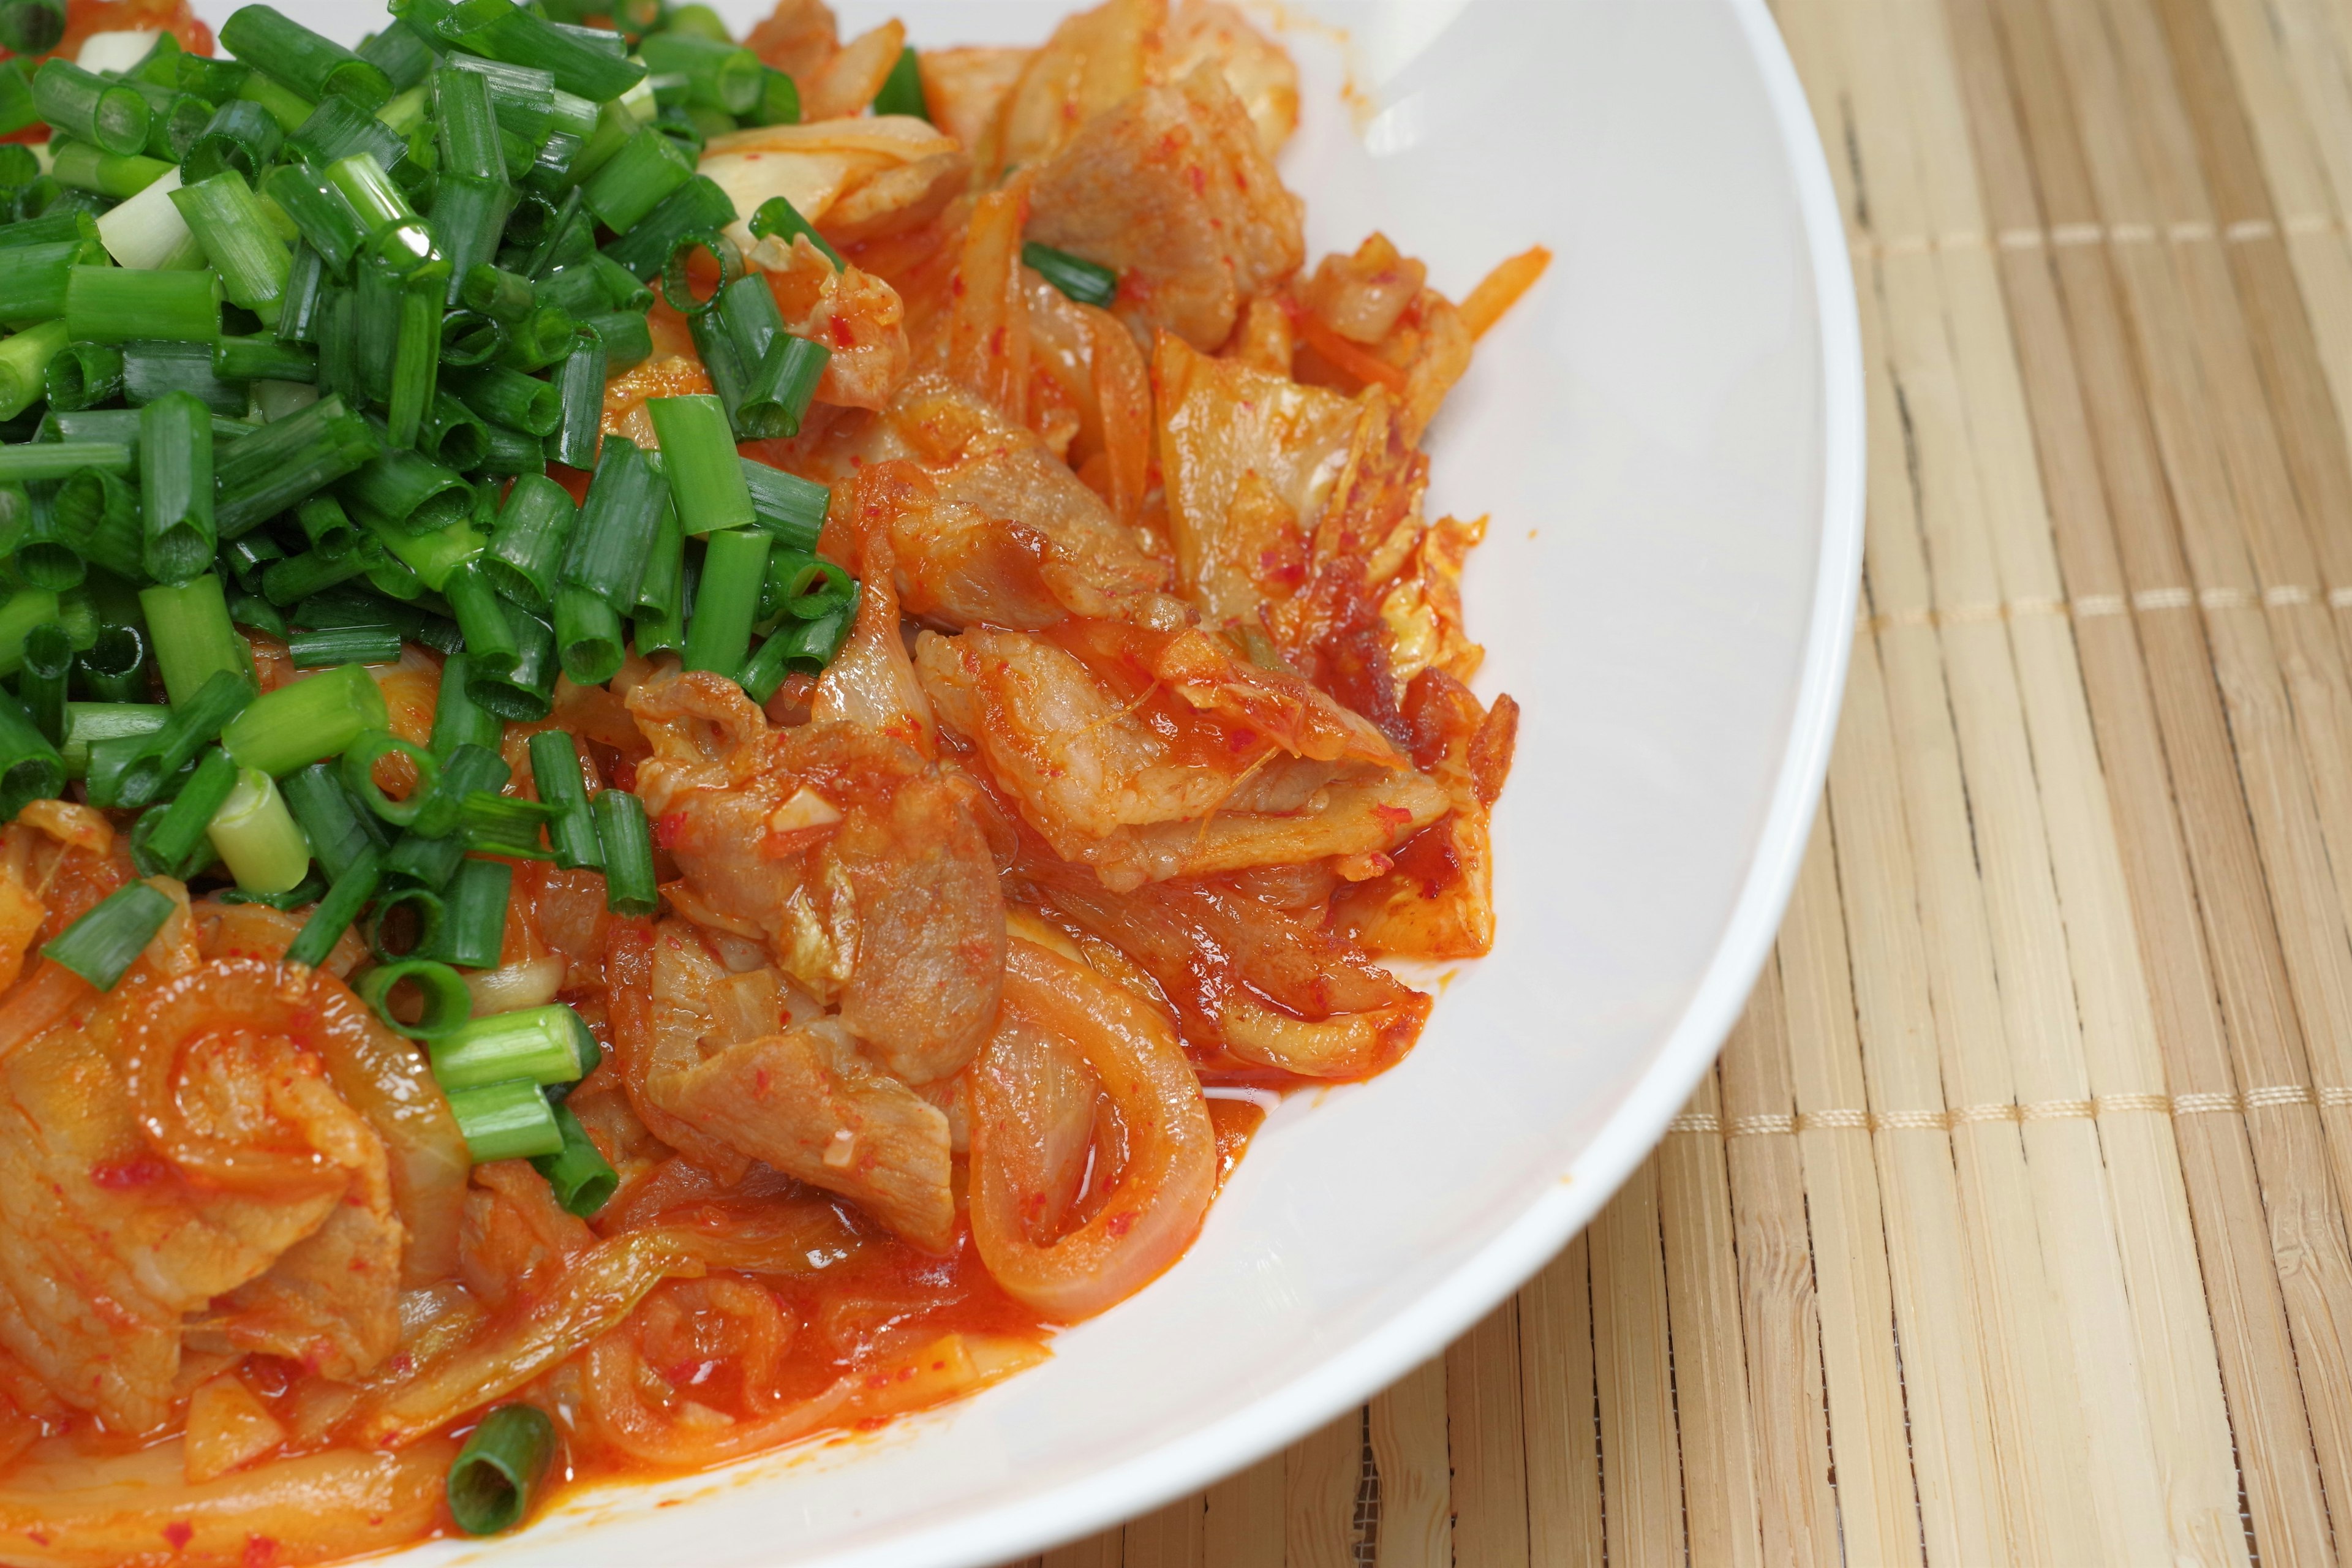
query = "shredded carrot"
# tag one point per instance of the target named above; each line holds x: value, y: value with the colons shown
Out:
x: 1500, y: 289
x: 1343, y: 355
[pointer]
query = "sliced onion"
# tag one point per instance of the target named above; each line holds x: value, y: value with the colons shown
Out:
x: 1155, y: 1211
x: 532, y: 982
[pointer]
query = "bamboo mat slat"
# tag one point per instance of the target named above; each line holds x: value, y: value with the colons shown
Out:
x: 2011, y: 1227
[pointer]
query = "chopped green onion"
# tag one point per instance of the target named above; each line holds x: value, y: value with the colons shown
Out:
x: 469, y: 215
x: 256, y: 837
x: 495, y: 292
x: 509, y: 1120
x: 447, y: 1004
x: 624, y: 291
x: 500, y: 824
x: 359, y: 777
x: 734, y: 566
x: 719, y: 74
x: 179, y: 828
x: 569, y: 239
x: 627, y: 342
x: 24, y: 362
x: 780, y: 99
x: 405, y: 492
x: 401, y: 53
x: 458, y: 720
x: 114, y: 668
x: 175, y: 485
x: 511, y: 398
x: 264, y: 357
x: 469, y: 340
x: 555, y: 773
x: 480, y: 620
x: 239, y: 137
x: 467, y: 771
x: 19, y: 613
x: 290, y: 461
x: 706, y: 477
x: 576, y: 291
x: 776, y: 395
x: 253, y: 263
x: 589, y: 639
x: 31, y: 767
x: 416, y: 354
x: 315, y: 66
x: 628, y: 844
x: 32, y: 27
x: 338, y: 831
x: 580, y: 397
x: 41, y: 683
x: 89, y: 722
x: 1087, y: 282
x: 325, y: 647
x: 529, y: 543
x: 378, y: 202
x: 156, y: 370
x: 539, y: 339
x: 319, y: 211
x: 292, y: 580
x: 805, y: 646
x: 509, y: 451
x: 110, y: 936
x: 583, y: 1180
x: 805, y: 586
x: 543, y: 1045
x: 902, y: 89
x: 576, y: 59
x: 189, y: 628
x: 618, y: 521
x: 474, y: 921
x: 117, y: 304
x: 193, y: 725
x: 748, y: 314
x: 115, y: 174
x: 778, y: 216
x: 633, y: 183
x: 306, y: 720
x: 346, y: 896
x: 422, y: 929
x: 524, y: 691
x: 84, y: 375
x: 790, y: 508
x: 466, y: 125
x: 676, y: 284
x: 496, y: 1475
x: 698, y: 204
x: 34, y: 460
x: 110, y: 115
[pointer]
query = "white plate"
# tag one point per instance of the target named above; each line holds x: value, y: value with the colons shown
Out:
x: 1668, y: 436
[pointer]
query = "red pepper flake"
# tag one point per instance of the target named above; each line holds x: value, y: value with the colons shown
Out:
x: 1394, y: 815
x: 668, y: 828
x: 179, y: 1532
x: 260, y: 1552
x: 140, y: 1169
x: 1119, y: 1224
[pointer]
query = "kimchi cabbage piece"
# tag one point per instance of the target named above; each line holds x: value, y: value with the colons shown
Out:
x: 1152, y: 738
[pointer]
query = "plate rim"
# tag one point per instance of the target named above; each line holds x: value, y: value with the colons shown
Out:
x: 1286, y: 1413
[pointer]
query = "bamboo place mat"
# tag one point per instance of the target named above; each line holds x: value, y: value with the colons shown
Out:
x: 2011, y: 1228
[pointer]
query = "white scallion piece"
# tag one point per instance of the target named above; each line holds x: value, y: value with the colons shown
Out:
x: 147, y: 232
x: 117, y: 51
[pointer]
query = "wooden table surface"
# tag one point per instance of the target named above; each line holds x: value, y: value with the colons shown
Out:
x: 2011, y: 1228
